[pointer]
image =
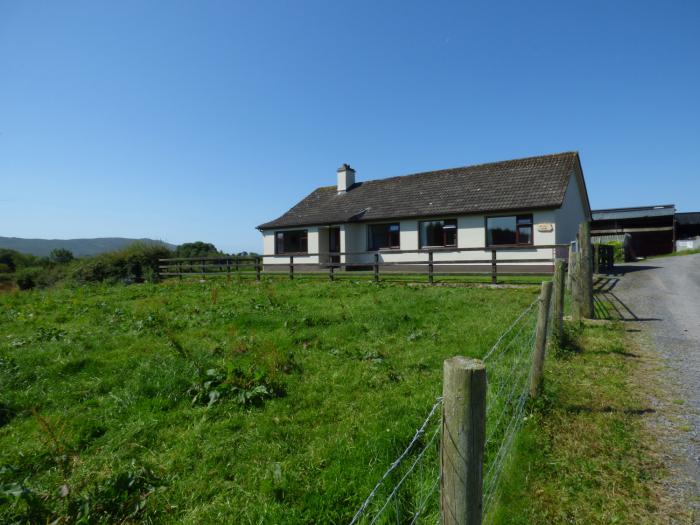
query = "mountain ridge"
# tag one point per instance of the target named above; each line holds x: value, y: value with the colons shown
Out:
x: 80, y: 247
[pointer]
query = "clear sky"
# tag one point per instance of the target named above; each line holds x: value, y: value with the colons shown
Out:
x: 198, y: 120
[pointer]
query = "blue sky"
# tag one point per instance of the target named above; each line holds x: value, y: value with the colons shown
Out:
x: 199, y: 120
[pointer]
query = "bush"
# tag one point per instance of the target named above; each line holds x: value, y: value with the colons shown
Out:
x: 619, y: 250
x: 27, y: 278
x: 135, y: 263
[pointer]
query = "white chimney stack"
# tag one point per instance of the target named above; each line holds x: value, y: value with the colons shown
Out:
x: 346, y: 178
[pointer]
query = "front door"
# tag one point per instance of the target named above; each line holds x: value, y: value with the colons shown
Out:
x: 334, y: 244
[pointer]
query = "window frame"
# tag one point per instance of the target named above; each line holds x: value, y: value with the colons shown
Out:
x: 439, y: 246
x: 530, y: 224
x: 370, y: 248
x: 305, y: 237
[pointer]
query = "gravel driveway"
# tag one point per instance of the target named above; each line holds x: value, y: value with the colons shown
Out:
x: 662, y: 296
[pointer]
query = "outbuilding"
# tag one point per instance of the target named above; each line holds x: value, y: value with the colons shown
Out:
x: 650, y: 229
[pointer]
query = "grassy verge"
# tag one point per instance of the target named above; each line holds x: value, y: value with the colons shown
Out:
x: 271, y: 402
x: 675, y: 254
x: 583, y: 456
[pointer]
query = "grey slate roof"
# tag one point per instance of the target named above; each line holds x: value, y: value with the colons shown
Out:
x: 520, y: 184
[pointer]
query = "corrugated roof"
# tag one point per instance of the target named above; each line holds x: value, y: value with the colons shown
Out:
x: 529, y: 183
x: 633, y: 213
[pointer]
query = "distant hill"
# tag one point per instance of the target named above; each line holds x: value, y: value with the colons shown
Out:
x: 79, y: 247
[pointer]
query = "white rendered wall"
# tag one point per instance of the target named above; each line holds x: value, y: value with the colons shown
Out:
x: 269, y: 247
x: 471, y: 233
x: 572, y: 212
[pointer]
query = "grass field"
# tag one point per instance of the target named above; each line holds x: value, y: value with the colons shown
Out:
x: 272, y: 402
x: 583, y: 456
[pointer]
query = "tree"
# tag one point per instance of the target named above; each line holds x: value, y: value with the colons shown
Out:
x: 196, y: 249
x: 62, y: 255
x: 7, y: 258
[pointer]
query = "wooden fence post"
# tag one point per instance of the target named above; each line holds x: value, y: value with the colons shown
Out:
x: 540, y: 340
x: 376, y: 267
x: 430, y: 267
x: 179, y: 270
x: 558, y: 302
x: 586, y: 270
x: 570, y: 263
x: 291, y: 267
x: 258, y: 264
x: 462, y: 446
x: 596, y: 258
x: 203, y: 269
x: 494, y: 269
x: 330, y: 271
x: 575, y: 278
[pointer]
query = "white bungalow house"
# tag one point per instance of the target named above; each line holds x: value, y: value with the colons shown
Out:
x: 522, y: 208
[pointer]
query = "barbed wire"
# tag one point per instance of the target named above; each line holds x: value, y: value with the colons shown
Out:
x: 509, y: 330
x: 507, y: 395
x: 508, y: 370
x: 416, y: 438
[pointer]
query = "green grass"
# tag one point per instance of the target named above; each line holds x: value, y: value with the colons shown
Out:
x: 583, y: 456
x: 675, y: 254
x: 272, y: 402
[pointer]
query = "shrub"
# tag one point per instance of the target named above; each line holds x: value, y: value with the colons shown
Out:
x: 619, y: 250
x: 7, y: 259
x: 135, y: 263
x: 27, y: 278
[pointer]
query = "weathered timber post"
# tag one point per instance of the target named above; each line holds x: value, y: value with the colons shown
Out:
x: 462, y: 446
x: 203, y: 269
x: 494, y: 274
x: 258, y: 264
x: 570, y: 263
x: 179, y: 270
x: 596, y: 258
x: 376, y: 267
x: 291, y: 267
x: 558, y: 300
x: 575, y: 277
x: 586, y: 270
x: 540, y: 340
x: 430, y: 267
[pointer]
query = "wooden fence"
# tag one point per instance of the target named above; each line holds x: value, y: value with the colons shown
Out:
x: 428, y: 265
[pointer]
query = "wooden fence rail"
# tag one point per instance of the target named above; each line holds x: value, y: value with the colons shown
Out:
x: 332, y: 262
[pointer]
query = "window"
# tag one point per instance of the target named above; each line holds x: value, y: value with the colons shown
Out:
x: 438, y: 233
x: 293, y: 241
x: 516, y: 229
x: 383, y: 236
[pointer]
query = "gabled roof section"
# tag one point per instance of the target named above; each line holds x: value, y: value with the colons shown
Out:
x: 529, y: 183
